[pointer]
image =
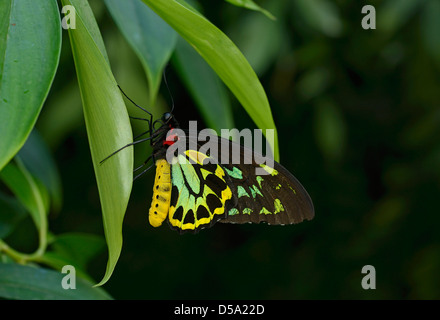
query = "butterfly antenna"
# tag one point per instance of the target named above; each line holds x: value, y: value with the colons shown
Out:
x: 169, y: 91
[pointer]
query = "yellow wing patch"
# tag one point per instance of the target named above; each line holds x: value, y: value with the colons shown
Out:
x: 196, y: 156
x: 199, y: 201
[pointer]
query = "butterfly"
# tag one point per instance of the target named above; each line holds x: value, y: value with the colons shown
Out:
x: 194, y: 189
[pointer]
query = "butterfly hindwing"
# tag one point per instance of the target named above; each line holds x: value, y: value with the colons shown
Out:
x: 201, y: 193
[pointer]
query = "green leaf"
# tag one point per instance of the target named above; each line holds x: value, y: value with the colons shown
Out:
x: 37, y: 159
x: 25, y: 282
x: 23, y: 186
x: 108, y: 126
x: 31, y: 195
x: 150, y: 37
x: 29, y: 54
x: 205, y: 87
x: 223, y: 57
x: 249, y: 4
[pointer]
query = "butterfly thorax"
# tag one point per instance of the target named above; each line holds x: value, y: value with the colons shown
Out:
x: 164, y: 137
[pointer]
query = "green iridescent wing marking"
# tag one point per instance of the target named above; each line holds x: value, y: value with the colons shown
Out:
x: 200, y: 193
x: 276, y: 198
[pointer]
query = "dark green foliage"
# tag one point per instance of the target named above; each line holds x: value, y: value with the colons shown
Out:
x: 358, y: 119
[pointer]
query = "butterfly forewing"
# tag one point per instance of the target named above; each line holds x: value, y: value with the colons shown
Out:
x: 276, y: 198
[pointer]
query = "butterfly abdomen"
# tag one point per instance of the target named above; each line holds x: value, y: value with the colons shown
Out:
x: 161, y: 193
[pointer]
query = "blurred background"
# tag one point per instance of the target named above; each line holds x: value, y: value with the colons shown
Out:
x: 358, y: 119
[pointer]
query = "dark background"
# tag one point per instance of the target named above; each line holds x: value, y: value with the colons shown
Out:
x: 357, y: 113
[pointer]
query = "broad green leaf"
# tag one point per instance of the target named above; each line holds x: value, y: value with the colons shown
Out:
x: 37, y: 159
x: 223, y: 57
x: 205, y: 87
x: 150, y: 37
x: 84, y: 13
x: 25, y: 283
x: 108, y: 127
x: 29, y: 55
x: 249, y: 4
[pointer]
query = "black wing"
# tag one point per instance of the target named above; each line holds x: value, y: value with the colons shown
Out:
x: 275, y: 197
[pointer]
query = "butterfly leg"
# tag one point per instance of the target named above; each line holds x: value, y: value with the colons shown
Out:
x: 143, y: 165
x: 127, y: 145
x: 150, y: 121
x: 143, y: 109
x: 137, y: 118
x: 143, y: 172
x: 152, y: 156
x: 140, y: 135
